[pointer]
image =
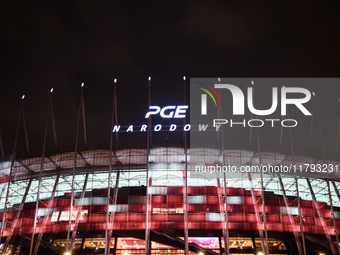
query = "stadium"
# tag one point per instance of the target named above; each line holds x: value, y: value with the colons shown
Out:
x: 149, y: 198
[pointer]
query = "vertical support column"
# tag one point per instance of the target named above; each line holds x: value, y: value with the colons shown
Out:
x: 149, y: 139
x: 17, y: 215
x: 319, y: 125
x: 320, y: 217
x: 226, y: 230
x: 25, y: 128
x: 251, y: 129
x: 297, y: 184
x: 297, y: 190
x: 115, y: 194
x: 11, y: 171
x: 74, y: 233
x: 108, y: 233
x: 68, y: 247
x: 292, y: 223
x: 49, y: 205
x: 226, y: 241
x: 266, y: 252
x: 281, y: 132
x: 226, y: 237
x: 114, y: 202
x: 186, y: 213
x: 300, y: 216
x: 83, y: 112
x: 258, y: 220
x: 222, y: 210
x: 40, y: 175
x: 311, y: 129
x: 54, y: 126
x: 116, y: 109
x: 332, y: 211
x: 260, y: 223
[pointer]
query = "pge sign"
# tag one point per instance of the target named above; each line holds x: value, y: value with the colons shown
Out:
x: 168, y: 112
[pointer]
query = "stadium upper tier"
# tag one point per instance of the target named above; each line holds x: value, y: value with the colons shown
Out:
x: 166, y: 165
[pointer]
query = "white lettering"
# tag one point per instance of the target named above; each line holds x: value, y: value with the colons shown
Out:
x: 172, y: 127
x: 292, y: 120
x: 171, y: 113
x: 202, y: 127
x: 219, y: 121
x: 180, y: 111
x: 262, y: 112
x: 116, y: 128
x: 158, y: 127
x: 272, y: 121
x: 297, y: 101
x: 240, y: 123
x: 156, y: 110
x: 254, y: 120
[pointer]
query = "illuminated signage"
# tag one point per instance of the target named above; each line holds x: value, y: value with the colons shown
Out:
x: 168, y: 112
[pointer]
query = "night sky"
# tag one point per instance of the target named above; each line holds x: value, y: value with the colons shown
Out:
x: 61, y: 44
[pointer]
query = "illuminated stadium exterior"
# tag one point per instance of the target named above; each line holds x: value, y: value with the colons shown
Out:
x: 156, y: 198
x: 166, y: 192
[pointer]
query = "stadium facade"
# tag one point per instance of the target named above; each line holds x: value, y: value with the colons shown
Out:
x: 162, y: 199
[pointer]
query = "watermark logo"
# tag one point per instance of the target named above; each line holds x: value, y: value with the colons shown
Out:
x: 239, y: 99
x: 204, y: 97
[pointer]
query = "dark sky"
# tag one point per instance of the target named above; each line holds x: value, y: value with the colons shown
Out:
x: 63, y: 43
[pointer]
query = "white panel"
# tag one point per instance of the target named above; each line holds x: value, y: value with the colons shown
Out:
x: 43, y: 211
x: 235, y: 200
x: 196, y: 199
x: 293, y: 210
x: 118, y: 208
x: 213, y: 217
